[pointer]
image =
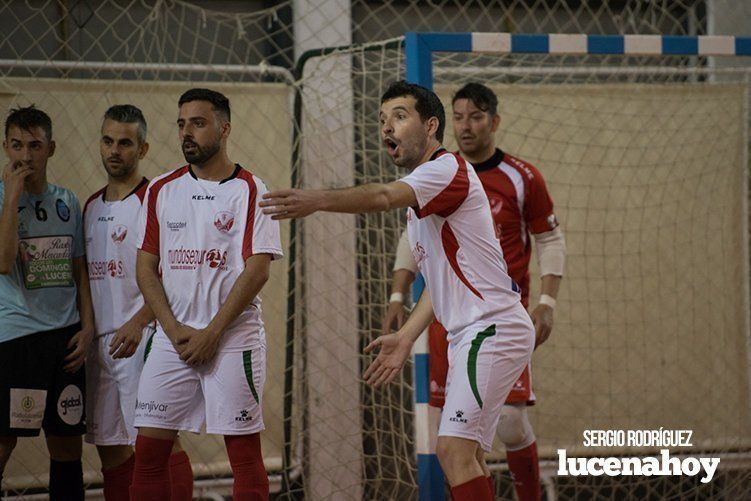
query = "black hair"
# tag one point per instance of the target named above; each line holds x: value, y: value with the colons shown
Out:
x: 480, y: 95
x: 128, y: 114
x: 218, y: 100
x: 428, y: 105
x: 28, y: 118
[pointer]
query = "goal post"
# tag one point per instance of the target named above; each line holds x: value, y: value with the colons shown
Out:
x: 421, y: 51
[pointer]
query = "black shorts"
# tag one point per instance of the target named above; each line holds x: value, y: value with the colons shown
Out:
x: 35, y: 391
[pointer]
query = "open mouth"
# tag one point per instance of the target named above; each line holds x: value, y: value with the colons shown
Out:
x: 391, y: 145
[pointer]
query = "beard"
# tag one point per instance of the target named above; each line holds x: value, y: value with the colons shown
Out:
x: 119, y: 171
x: 200, y: 154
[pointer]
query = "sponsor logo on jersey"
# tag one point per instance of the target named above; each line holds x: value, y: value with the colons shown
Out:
x: 70, y: 405
x: 176, y: 225
x: 105, y: 219
x: 191, y: 259
x: 204, y: 197
x: 458, y: 417
x: 522, y: 166
x: 244, y: 416
x: 63, y: 212
x: 98, y: 270
x: 119, y: 233
x: 419, y: 253
x: 223, y: 221
x: 552, y: 221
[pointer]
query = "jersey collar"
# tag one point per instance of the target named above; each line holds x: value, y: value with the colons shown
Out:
x: 491, y: 162
x: 437, y: 153
x: 138, y: 187
x: 229, y: 178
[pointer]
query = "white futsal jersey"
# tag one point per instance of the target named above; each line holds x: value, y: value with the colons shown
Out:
x: 455, y: 246
x: 203, y: 231
x: 111, y: 231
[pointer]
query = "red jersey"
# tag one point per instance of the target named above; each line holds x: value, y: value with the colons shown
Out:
x: 520, y: 204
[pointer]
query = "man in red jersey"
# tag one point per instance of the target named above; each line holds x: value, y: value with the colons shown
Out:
x: 520, y: 204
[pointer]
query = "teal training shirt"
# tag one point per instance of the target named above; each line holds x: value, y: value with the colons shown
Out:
x: 39, y: 294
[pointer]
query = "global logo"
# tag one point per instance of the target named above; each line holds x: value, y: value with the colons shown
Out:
x: 70, y: 405
x: 119, y: 233
x: 27, y: 403
x: 223, y: 221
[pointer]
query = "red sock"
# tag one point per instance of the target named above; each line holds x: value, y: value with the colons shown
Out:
x: 476, y: 489
x: 525, y: 471
x: 491, y: 484
x: 181, y: 477
x: 251, y: 480
x: 151, y: 471
x: 117, y: 480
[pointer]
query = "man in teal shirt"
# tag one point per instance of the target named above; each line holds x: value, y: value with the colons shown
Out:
x: 46, y: 317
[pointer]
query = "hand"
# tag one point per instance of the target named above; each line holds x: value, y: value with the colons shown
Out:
x: 290, y: 204
x: 394, y: 318
x: 394, y: 351
x: 126, y: 339
x: 14, y: 175
x: 200, y: 348
x: 79, y: 344
x: 180, y: 335
x: 542, y: 318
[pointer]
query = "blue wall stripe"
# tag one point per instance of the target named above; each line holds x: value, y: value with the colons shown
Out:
x: 430, y: 478
x: 605, y: 44
x: 422, y: 378
x: 530, y: 44
x: 680, y: 45
x: 743, y: 46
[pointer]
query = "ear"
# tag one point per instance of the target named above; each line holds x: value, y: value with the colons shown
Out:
x: 432, y: 126
x: 496, y: 122
x: 142, y: 150
x: 52, y: 149
x: 226, y: 128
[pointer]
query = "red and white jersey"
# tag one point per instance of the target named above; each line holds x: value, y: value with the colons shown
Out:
x: 111, y: 232
x: 520, y: 204
x: 454, y: 243
x: 203, y: 231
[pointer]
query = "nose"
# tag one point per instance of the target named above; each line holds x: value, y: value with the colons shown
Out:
x: 386, y: 128
x: 26, y: 154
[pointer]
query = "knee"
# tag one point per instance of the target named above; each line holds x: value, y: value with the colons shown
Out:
x: 514, y: 428
x: 452, y: 457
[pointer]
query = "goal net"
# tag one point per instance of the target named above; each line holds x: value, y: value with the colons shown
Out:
x: 646, y: 159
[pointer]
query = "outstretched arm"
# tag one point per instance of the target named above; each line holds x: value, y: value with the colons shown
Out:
x: 373, y: 197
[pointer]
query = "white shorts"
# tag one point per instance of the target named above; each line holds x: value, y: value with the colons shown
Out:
x: 225, y: 394
x: 111, y: 388
x: 484, y: 363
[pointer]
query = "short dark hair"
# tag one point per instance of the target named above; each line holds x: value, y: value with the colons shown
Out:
x: 218, y: 100
x: 428, y: 105
x: 480, y: 95
x: 28, y: 118
x: 128, y: 114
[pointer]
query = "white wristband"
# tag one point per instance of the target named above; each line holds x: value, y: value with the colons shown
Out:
x: 396, y: 297
x: 547, y: 300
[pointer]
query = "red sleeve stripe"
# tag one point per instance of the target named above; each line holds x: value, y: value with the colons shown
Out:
x: 250, y: 221
x: 447, y: 201
x: 451, y: 249
x: 141, y: 191
x: 92, y: 198
x: 151, y: 238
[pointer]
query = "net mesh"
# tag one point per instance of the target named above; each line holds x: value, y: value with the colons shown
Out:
x: 645, y: 158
